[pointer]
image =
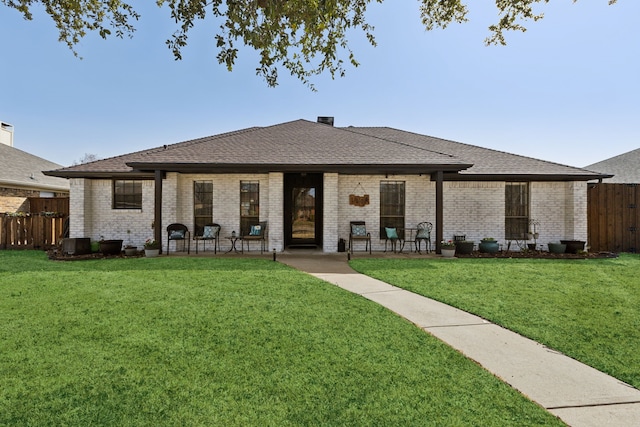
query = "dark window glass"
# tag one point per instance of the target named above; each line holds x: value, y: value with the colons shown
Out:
x: 202, y: 205
x: 391, y: 206
x: 516, y: 212
x: 127, y: 194
x: 249, y: 205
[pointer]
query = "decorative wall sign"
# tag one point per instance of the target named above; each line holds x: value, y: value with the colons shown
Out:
x: 358, y: 200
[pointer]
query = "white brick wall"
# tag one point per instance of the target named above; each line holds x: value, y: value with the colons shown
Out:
x: 419, y: 207
x: 331, y: 218
x: 275, y: 211
x: 475, y: 209
x: 226, y: 201
x: 91, y: 213
x: 561, y: 209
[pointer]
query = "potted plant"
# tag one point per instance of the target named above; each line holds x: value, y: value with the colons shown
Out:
x: 151, y: 248
x: 574, y: 246
x: 464, y: 247
x: 111, y: 247
x: 130, y: 250
x: 557, y: 248
x: 488, y: 245
x: 448, y: 249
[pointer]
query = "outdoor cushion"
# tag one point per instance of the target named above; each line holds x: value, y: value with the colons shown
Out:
x: 392, y: 233
x: 423, y: 233
x: 210, y: 231
x: 255, y: 230
x: 177, y: 234
x: 358, y: 230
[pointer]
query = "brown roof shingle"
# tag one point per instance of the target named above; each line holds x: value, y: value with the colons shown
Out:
x: 302, y: 145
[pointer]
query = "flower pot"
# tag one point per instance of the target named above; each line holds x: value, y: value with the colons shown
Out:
x: 130, y: 251
x: 464, y: 247
x: 573, y: 246
x: 76, y: 246
x: 557, y: 248
x: 151, y: 253
x: 448, y: 253
x: 488, y: 247
x: 110, y: 247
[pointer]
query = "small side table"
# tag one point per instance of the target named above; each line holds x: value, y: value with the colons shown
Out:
x: 233, y: 240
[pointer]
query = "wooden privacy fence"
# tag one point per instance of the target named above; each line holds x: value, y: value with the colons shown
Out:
x: 59, y: 205
x: 614, y: 217
x: 32, y: 231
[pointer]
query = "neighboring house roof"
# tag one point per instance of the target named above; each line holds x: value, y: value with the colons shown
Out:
x: 19, y: 169
x: 307, y: 146
x: 625, y: 168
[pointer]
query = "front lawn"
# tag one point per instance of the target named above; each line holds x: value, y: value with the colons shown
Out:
x: 587, y: 309
x: 229, y: 342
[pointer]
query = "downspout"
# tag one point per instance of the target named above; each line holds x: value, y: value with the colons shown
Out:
x: 439, y: 210
x: 157, y: 210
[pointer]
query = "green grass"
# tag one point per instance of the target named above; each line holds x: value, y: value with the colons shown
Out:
x: 587, y: 309
x: 215, y: 341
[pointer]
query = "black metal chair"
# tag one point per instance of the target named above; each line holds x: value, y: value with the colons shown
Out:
x: 178, y: 232
x: 358, y: 232
x: 210, y: 232
x: 257, y: 232
x: 393, y: 236
x: 423, y: 233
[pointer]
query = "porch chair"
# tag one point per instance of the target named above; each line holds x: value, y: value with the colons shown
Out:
x: 358, y: 231
x: 177, y: 232
x: 423, y: 234
x: 392, y: 236
x: 257, y: 232
x: 210, y: 231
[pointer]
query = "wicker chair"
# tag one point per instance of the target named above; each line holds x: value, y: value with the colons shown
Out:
x: 177, y: 232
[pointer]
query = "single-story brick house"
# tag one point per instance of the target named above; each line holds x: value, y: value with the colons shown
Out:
x: 308, y: 180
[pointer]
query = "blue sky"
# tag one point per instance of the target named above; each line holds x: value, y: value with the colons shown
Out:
x: 567, y: 90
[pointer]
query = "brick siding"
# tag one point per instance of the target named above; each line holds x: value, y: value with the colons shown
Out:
x: 475, y: 209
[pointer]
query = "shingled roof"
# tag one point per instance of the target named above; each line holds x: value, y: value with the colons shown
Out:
x: 19, y: 169
x: 625, y: 168
x: 487, y: 163
x: 304, y: 146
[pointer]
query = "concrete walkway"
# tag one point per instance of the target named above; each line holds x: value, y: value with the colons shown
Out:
x: 576, y: 393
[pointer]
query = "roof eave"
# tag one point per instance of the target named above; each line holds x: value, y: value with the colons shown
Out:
x: 100, y: 174
x: 395, y: 169
x: 524, y: 177
x: 34, y: 186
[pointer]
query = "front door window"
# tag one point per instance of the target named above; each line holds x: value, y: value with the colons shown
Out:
x: 303, y: 213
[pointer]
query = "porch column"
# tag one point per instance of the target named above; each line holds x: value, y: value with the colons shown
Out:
x: 439, y: 210
x: 275, y: 213
x: 331, y: 220
x: 157, y: 210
